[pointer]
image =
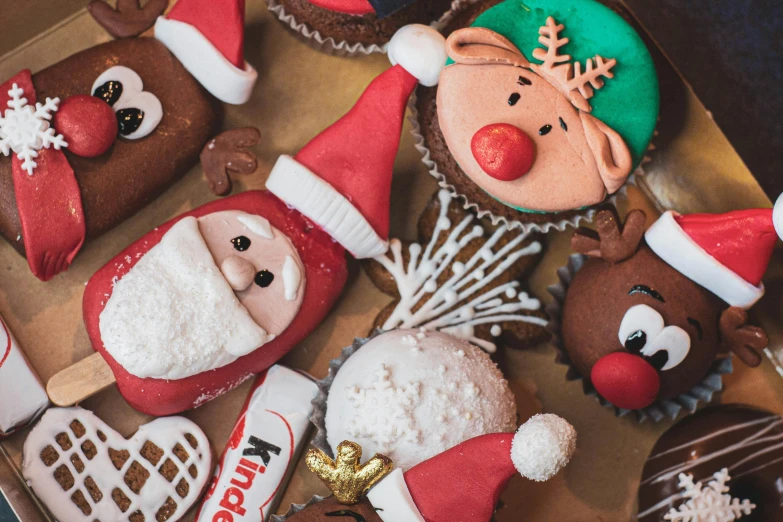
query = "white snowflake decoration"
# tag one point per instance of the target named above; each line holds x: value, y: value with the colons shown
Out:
x: 26, y: 131
x: 387, y: 411
x: 417, y: 281
x: 708, y: 504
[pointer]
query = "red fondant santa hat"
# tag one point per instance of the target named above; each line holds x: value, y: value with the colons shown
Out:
x: 465, y: 482
x: 341, y: 179
x: 207, y: 36
x: 725, y: 253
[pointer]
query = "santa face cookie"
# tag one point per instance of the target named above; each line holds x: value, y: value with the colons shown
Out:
x: 83, y: 470
x: 542, y: 108
x: 207, y: 300
x: 644, y: 321
x: 127, y: 113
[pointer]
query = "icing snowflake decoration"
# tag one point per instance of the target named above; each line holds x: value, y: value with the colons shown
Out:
x: 388, y: 411
x: 418, y: 281
x: 710, y: 503
x: 25, y: 130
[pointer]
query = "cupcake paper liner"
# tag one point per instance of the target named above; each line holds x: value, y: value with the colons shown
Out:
x: 659, y: 410
x: 296, y: 508
x: 330, y: 46
x: 318, y: 417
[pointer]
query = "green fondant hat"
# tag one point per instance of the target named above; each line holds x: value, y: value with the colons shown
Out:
x: 629, y: 102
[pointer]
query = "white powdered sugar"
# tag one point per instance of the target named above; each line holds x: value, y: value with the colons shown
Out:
x: 411, y: 404
x: 174, y: 315
x: 543, y: 446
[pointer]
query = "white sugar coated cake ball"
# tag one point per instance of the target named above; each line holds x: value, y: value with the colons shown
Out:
x: 410, y: 395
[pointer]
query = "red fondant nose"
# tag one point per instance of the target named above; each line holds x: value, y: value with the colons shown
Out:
x: 87, y: 123
x: 503, y: 151
x: 626, y: 380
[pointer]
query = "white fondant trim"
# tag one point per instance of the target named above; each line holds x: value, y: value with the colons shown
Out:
x: 777, y: 216
x: 667, y: 239
x: 392, y: 499
x: 421, y: 51
x: 220, y: 77
x: 318, y: 200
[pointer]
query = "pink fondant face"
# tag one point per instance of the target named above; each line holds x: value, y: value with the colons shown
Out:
x: 563, y: 174
x: 259, y: 263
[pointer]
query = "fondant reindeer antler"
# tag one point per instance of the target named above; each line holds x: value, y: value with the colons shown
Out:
x: 614, y: 243
x: 744, y: 340
x: 129, y: 19
x: 568, y: 77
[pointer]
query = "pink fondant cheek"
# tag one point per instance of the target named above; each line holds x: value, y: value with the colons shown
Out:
x: 563, y: 175
x: 227, y: 236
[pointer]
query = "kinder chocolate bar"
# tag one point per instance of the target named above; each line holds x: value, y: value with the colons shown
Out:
x: 22, y: 396
x: 265, y: 442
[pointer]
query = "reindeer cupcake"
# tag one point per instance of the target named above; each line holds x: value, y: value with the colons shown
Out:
x: 543, y: 110
x: 649, y: 319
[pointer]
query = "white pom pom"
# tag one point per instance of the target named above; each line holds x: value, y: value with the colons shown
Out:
x: 777, y: 216
x: 542, y: 446
x: 420, y: 50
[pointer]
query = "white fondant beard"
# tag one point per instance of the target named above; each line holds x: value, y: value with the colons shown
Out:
x: 173, y: 315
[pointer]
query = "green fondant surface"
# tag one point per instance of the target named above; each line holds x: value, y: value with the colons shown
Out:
x: 629, y: 102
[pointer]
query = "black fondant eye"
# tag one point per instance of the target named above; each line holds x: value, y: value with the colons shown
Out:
x: 347, y: 513
x: 264, y: 278
x: 636, y: 341
x: 241, y: 243
x: 513, y: 99
x: 109, y: 92
x: 129, y: 120
x: 563, y: 124
x: 543, y: 131
x: 659, y: 359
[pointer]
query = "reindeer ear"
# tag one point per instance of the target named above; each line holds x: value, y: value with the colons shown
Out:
x: 609, y: 150
x: 481, y: 46
x: 745, y: 341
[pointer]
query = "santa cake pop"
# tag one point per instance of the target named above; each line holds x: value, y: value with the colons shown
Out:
x: 463, y: 483
x: 210, y: 298
x: 645, y: 317
x: 129, y: 113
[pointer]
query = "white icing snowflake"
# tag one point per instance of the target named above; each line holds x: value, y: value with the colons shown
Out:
x: 387, y: 411
x: 708, y: 504
x: 466, y: 288
x: 26, y: 131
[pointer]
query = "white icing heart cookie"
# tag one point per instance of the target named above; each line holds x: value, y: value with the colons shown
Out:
x: 83, y: 470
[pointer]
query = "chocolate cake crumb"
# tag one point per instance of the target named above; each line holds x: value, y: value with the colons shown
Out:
x: 122, y: 501
x: 181, y: 453
x: 49, y: 455
x: 89, y: 449
x: 81, y: 502
x: 93, y: 490
x: 118, y: 457
x: 151, y: 452
x: 77, y: 428
x: 183, y: 487
x: 64, y: 477
x: 166, y: 510
x: 136, y: 477
x: 78, y: 465
x: 169, y: 470
x: 64, y: 441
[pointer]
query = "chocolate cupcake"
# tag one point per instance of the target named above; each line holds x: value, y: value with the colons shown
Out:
x: 542, y: 112
x: 649, y: 319
x: 354, y: 27
x: 733, y: 451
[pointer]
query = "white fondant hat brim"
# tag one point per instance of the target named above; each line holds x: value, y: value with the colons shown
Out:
x: 670, y: 242
x: 205, y: 62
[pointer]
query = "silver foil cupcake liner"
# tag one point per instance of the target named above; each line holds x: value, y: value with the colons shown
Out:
x: 296, y: 508
x: 332, y: 47
x: 689, y: 401
x: 318, y: 417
